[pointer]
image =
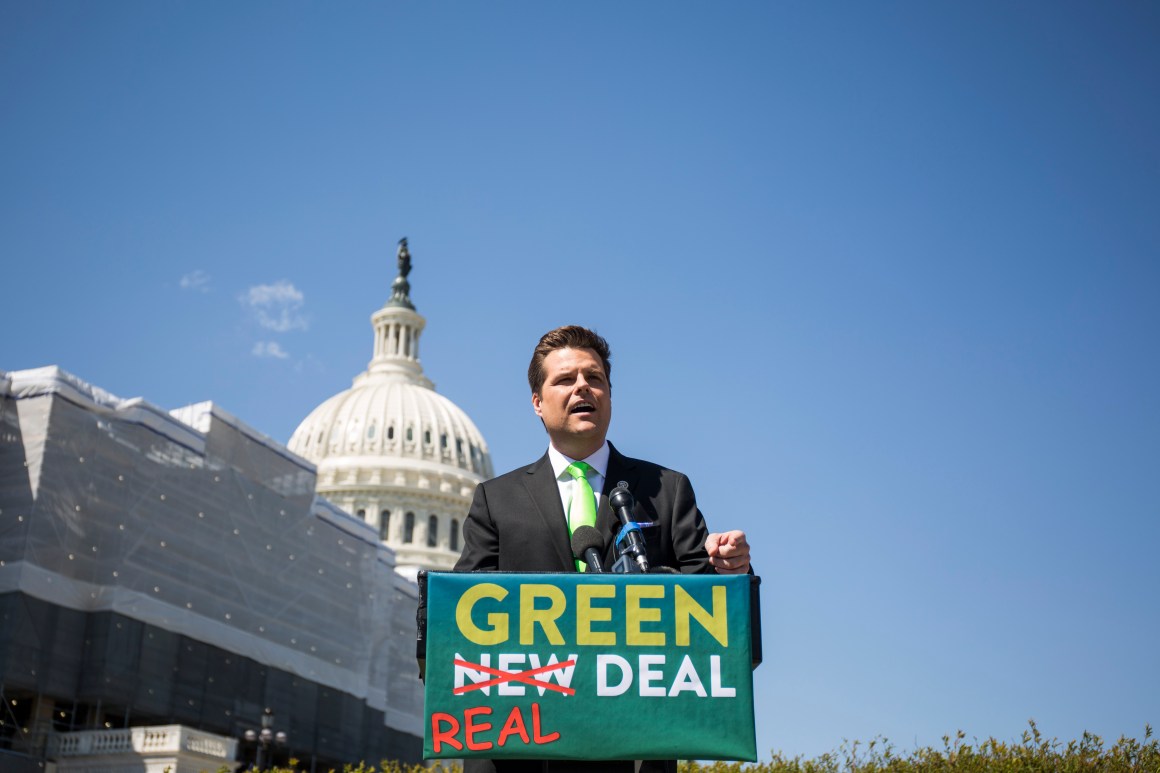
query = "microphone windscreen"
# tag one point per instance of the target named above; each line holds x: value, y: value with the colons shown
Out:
x: 620, y: 497
x: 586, y: 537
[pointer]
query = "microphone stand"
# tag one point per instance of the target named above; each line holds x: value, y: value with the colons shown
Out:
x: 632, y: 558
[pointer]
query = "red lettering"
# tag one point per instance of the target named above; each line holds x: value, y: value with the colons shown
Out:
x: 445, y: 728
x: 536, y: 727
x: 439, y: 737
x: 514, y: 726
x: 470, y: 728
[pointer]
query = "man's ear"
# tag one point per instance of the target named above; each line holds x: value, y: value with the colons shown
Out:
x: 536, y: 404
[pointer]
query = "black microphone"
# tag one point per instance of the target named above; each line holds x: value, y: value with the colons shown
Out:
x: 621, y: 501
x: 587, y: 545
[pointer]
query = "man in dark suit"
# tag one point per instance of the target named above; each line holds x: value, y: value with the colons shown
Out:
x: 522, y: 521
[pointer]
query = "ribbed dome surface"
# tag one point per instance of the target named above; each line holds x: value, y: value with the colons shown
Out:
x: 382, y: 415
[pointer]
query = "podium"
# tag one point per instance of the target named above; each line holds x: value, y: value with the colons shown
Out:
x: 588, y: 666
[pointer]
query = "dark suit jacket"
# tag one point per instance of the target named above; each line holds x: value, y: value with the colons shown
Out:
x: 517, y: 524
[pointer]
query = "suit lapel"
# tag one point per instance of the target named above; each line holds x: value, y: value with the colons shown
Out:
x: 545, y: 494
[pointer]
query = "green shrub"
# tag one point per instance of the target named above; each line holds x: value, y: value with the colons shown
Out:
x: 1031, y: 754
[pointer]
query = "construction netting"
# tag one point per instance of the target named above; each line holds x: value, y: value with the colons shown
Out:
x: 195, y: 524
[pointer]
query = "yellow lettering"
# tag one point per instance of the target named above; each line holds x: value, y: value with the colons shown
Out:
x: 498, y: 633
x: 586, y: 614
x: 529, y: 615
x: 716, y: 624
x: 635, y: 614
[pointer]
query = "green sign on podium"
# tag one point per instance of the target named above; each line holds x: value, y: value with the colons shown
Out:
x: 588, y: 666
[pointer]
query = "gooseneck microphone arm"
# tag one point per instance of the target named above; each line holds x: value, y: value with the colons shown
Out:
x: 630, y: 542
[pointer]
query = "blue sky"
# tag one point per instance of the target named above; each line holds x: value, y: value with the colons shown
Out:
x: 881, y: 278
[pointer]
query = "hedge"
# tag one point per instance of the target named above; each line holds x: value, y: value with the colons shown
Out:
x: 1031, y: 754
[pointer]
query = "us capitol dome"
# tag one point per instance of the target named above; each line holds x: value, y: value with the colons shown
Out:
x: 393, y: 451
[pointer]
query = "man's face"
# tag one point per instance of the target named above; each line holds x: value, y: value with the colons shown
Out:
x: 575, y: 402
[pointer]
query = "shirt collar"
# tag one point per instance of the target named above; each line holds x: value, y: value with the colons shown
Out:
x: 597, y: 461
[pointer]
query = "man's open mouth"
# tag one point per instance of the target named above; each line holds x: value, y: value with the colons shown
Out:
x: 582, y: 408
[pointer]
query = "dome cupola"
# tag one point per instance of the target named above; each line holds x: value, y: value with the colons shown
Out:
x: 393, y: 451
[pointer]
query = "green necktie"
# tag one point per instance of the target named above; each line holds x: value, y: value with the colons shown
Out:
x: 582, y: 509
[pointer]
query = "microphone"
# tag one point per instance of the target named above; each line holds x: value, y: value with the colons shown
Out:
x: 629, y: 542
x: 587, y: 545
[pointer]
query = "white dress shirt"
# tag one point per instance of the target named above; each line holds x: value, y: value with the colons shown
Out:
x: 564, y: 480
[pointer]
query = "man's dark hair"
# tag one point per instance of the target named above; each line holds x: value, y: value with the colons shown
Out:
x: 567, y: 337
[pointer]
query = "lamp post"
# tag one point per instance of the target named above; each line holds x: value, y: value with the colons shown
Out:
x: 265, y: 738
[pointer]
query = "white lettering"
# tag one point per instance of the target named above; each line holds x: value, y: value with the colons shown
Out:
x: 561, y: 676
x: 649, y: 675
x: 508, y: 663
x: 715, y: 688
x: 687, y: 678
x: 476, y: 676
x: 603, y: 688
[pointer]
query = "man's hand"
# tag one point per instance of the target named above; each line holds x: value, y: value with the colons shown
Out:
x: 728, y: 552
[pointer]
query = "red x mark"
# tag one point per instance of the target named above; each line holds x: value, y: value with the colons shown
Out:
x: 518, y: 676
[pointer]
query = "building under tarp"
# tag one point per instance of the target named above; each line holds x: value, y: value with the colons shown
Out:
x: 177, y: 568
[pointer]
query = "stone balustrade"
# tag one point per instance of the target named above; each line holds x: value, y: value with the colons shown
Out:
x: 172, y: 742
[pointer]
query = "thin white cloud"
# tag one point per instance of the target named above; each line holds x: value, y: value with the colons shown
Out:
x: 277, y: 307
x: 196, y: 280
x: 269, y: 349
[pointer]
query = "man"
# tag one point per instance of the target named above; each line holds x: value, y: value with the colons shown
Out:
x: 519, y: 521
x: 522, y: 521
